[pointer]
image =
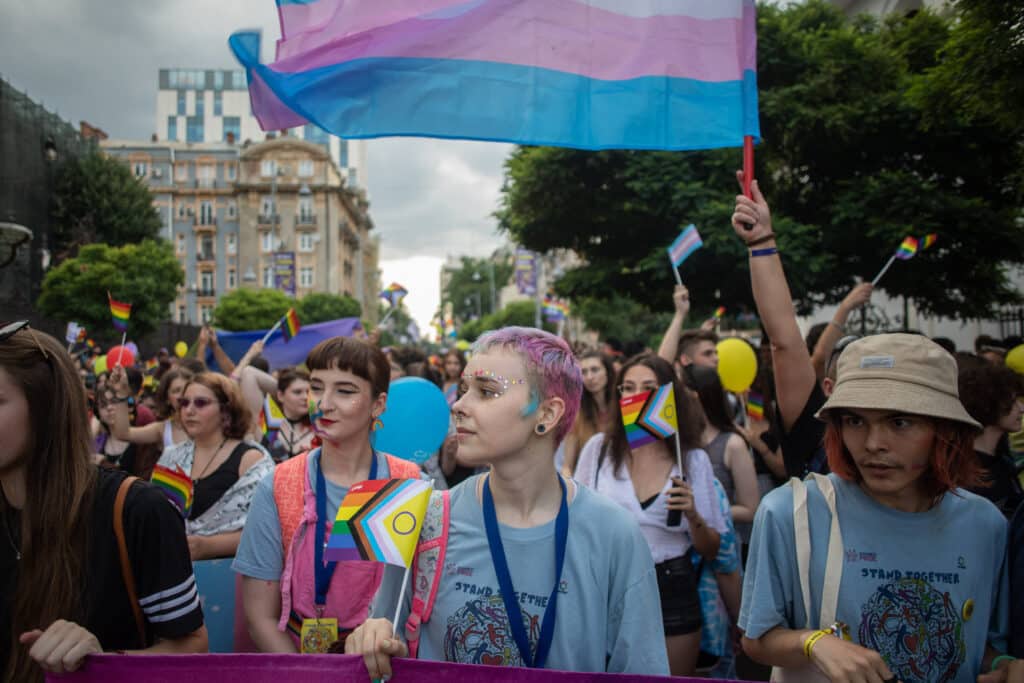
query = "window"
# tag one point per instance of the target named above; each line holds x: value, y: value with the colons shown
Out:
x: 232, y: 209
x: 343, y: 153
x: 268, y: 168
x: 181, y: 103
x: 180, y: 172
x: 205, y: 311
x: 172, y: 79
x: 232, y: 125
x: 268, y: 277
x: 181, y: 314
x: 206, y: 213
x: 217, y: 107
x: 194, y: 129
x: 305, y: 277
x: 206, y: 283
x: 232, y: 278
x: 218, y: 84
x: 306, y: 168
x: 316, y: 134
x: 230, y: 170
x: 305, y: 209
x: 238, y: 78
x: 206, y: 249
x: 306, y: 241
x: 181, y: 243
x: 182, y: 210
x: 232, y: 243
x: 267, y: 206
x: 200, y: 104
x: 267, y: 242
x: 140, y: 168
x: 206, y: 174
x: 172, y: 128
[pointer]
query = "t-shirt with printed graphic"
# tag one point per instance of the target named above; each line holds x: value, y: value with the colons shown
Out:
x: 608, y: 611
x: 925, y: 590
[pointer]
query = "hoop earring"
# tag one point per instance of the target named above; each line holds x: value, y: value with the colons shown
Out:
x: 378, y: 424
x: 540, y: 429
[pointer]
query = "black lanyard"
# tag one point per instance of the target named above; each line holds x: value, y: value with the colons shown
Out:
x: 325, y: 570
x: 508, y: 593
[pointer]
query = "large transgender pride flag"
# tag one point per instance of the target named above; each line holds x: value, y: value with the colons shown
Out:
x: 591, y: 74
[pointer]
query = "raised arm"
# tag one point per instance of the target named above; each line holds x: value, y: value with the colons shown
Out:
x: 794, y: 375
x: 122, y: 428
x: 225, y: 363
x: 834, y: 331
x: 669, y: 348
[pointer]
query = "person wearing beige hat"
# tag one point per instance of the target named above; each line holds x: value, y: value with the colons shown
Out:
x: 886, y: 569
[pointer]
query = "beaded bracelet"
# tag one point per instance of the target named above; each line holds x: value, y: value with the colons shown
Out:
x: 763, y: 252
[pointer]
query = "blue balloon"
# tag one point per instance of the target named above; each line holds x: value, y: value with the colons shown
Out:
x: 415, y: 420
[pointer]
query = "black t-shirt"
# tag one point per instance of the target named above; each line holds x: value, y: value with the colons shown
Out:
x: 158, y: 549
x: 802, y: 448
x: 999, y: 476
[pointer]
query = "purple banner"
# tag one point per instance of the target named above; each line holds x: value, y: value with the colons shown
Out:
x: 284, y: 272
x: 316, y: 669
x: 526, y: 271
x: 282, y: 354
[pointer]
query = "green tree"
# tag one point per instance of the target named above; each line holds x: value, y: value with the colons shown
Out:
x: 146, y: 275
x: 318, y: 307
x: 469, y: 288
x: 97, y: 199
x: 251, y: 309
x: 851, y: 163
x: 519, y: 313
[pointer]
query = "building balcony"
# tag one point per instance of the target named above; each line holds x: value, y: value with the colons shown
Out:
x: 204, y: 224
x: 305, y: 220
x: 347, y: 234
x: 206, y: 257
x: 269, y: 219
x: 206, y: 293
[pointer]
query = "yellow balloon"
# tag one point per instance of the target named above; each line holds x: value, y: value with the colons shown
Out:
x: 99, y: 366
x: 737, y: 364
x: 180, y: 349
x: 462, y: 345
x: 1015, y: 359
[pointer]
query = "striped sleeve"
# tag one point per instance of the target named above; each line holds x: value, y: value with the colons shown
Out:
x: 162, y: 566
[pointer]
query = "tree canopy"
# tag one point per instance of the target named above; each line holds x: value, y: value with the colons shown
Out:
x: 251, y: 309
x: 146, y: 275
x: 318, y: 307
x: 469, y: 288
x: 853, y: 159
x: 97, y: 199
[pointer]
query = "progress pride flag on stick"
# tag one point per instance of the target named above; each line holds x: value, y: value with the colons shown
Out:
x: 316, y: 669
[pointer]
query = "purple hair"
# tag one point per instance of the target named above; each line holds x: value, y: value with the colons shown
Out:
x: 551, y: 367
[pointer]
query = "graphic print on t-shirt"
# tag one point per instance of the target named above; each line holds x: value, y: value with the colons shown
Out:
x: 479, y: 633
x: 917, y: 629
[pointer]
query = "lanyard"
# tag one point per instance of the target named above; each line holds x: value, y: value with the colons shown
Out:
x: 508, y: 594
x: 325, y: 570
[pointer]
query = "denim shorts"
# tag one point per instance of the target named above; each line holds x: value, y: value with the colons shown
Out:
x: 680, y: 604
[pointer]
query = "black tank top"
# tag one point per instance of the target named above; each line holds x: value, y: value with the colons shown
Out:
x: 209, y: 489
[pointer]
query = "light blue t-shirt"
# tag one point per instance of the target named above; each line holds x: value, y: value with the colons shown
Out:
x: 925, y: 590
x: 260, y: 553
x: 608, y: 612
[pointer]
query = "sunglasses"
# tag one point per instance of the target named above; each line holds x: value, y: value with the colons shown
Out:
x: 199, y: 403
x: 8, y: 331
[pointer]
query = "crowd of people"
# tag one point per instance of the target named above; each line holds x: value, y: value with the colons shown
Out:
x: 864, y: 523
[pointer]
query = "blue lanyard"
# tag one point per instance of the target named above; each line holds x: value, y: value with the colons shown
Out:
x: 324, y: 571
x: 508, y: 593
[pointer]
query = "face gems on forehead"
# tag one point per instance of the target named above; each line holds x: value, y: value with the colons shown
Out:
x: 505, y: 382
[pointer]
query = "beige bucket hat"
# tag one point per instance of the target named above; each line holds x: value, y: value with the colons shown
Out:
x: 904, y: 372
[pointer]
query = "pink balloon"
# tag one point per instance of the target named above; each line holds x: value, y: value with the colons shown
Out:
x: 120, y: 355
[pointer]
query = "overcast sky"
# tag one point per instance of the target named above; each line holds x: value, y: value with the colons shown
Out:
x: 98, y: 61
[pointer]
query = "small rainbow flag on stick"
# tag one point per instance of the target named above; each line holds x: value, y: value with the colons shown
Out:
x: 290, y: 325
x: 119, y: 313
x: 928, y: 240
x: 659, y: 415
x: 719, y: 312
x: 907, y: 249
x: 176, y: 485
x: 380, y: 521
x: 755, y: 405
x: 394, y: 293
x: 632, y: 410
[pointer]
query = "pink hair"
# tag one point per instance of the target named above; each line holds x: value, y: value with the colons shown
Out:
x: 550, y: 365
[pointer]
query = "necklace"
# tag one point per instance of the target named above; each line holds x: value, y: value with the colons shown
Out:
x: 210, y: 461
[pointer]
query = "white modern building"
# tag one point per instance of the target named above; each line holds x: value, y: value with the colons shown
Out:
x: 212, y: 106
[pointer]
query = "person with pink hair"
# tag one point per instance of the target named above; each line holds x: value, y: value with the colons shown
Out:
x: 538, y: 572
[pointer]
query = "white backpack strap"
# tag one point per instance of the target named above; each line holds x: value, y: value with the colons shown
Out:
x: 802, y: 538
x: 834, y: 561
x: 428, y: 565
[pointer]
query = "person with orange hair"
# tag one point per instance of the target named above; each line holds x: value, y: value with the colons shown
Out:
x: 886, y: 569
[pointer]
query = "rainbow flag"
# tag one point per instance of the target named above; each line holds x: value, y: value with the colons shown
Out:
x: 907, y: 249
x: 555, y: 309
x: 688, y: 242
x: 659, y: 415
x: 271, y: 417
x: 152, y: 364
x: 380, y: 521
x: 632, y: 410
x: 290, y: 325
x: 590, y: 74
x: 928, y: 240
x: 719, y: 312
x: 394, y: 293
x: 176, y: 485
x: 119, y: 313
x: 755, y: 405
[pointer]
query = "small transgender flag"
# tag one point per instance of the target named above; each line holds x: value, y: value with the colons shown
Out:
x: 907, y: 249
x: 687, y: 243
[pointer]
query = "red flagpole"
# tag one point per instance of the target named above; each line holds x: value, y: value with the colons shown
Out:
x: 748, y: 164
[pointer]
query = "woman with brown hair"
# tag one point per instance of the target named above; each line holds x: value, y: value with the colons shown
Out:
x: 223, y: 467
x: 595, y: 406
x: 167, y: 430
x: 647, y: 482
x: 295, y: 434
x: 63, y: 594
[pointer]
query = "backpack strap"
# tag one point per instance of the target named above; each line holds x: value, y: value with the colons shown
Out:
x: 126, y: 565
x: 428, y: 566
x: 834, y: 559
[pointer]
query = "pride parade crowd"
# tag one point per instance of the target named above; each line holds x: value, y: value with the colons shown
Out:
x: 856, y: 515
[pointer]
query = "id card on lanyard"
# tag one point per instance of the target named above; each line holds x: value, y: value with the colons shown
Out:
x: 508, y: 593
x: 319, y: 634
